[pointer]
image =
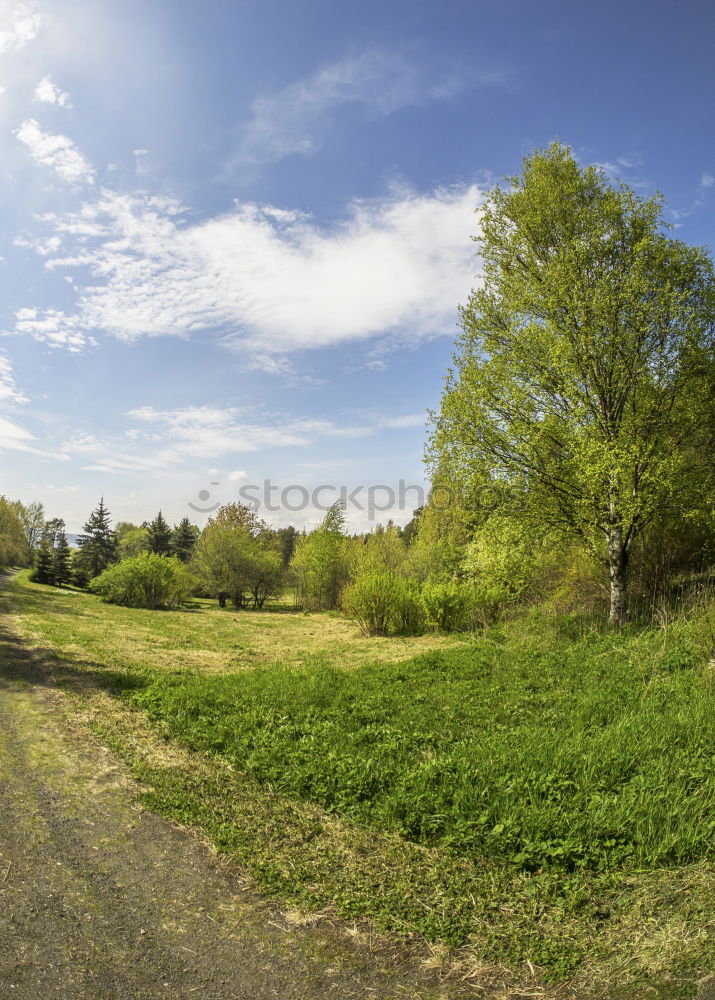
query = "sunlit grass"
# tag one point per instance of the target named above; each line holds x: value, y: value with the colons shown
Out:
x: 204, y: 637
x: 538, y: 798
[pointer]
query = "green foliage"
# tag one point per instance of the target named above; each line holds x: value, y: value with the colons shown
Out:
x: 542, y: 754
x: 145, y: 581
x: 13, y: 539
x: 508, y: 562
x: 320, y: 563
x: 239, y: 557
x: 383, y: 550
x: 287, y: 537
x: 51, y: 530
x: 61, y: 561
x: 536, y: 795
x: 159, y: 536
x: 32, y: 518
x: 183, y: 539
x: 584, y: 380
x: 409, y: 612
x: 381, y: 602
x: 80, y: 575
x: 98, y: 544
x: 446, y: 605
x: 440, y: 533
x: 131, y: 539
x: 42, y: 571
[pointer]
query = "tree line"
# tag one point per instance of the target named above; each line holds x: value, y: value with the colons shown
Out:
x: 582, y: 395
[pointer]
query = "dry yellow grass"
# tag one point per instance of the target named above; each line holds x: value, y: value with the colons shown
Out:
x: 205, y: 637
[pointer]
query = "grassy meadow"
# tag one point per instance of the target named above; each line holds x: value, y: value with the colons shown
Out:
x: 535, y: 802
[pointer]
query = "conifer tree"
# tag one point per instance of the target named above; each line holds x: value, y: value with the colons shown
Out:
x: 183, y: 539
x: 159, y: 536
x: 98, y: 544
x: 61, y: 560
x: 43, y: 569
x: 80, y: 574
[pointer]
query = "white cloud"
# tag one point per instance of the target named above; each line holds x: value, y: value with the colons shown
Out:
x: 409, y: 420
x: 19, y: 24
x: 49, y: 93
x: 13, y: 437
x: 208, y: 431
x: 292, y: 121
x: 165, y: 439
x: 52, y: 327
x: 706, y: 180
x: 9, y: 392
x: 625, y: 168
x: 268, y: 281
x: 57, y: 152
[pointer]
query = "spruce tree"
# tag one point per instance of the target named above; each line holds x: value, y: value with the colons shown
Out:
x: 98, y: 544
x: 159, y: 536
x: 43, y: 569
x: 183, y: 539
x: 61, y: 560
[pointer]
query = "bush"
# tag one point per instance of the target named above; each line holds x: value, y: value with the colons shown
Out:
x: 145, y: 581
x: 409, y: 610
x: 445, y: 605
x: 373, y: 601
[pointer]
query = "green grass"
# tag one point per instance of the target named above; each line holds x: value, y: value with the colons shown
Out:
x: 537, y: 795
x: 586, y: 755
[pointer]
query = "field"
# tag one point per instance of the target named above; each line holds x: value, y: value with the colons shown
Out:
x: 536, y: 803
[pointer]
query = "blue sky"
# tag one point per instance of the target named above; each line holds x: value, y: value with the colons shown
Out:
x: 235, y: 234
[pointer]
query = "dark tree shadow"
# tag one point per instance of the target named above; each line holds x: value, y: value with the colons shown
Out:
x: 22, y: 662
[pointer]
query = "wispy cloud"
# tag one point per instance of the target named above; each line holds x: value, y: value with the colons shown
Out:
x: 627, y: 168
x: 161, y: 440
x: 293, y: 120
x: 264, y: 280
x: 706, y: 180
x: 19, y: 24
x: 9, y: 392
x: 49, y: 93
x: 57, y: 152
x: 14, y: 437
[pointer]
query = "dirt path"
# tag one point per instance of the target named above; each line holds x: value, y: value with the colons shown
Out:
x: 101, y: 900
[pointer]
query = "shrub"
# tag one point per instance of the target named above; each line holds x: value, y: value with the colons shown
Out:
x: 373, y: 601
x: 145, y: 581
x: 445, y: 605
x: 409, y: 613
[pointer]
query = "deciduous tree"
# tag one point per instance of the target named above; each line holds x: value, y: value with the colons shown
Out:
x: 584, y: 378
